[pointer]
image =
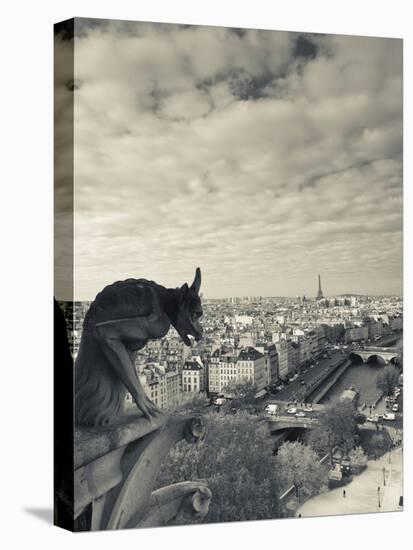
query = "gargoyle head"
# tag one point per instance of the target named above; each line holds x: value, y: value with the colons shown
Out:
x: 189, y: 311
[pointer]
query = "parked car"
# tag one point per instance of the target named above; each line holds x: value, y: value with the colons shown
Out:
x: 395, y: 407
x: 292, y: 410
x: 373, y: 418
x: 308, y: 407
x: 271, y: 409
x: 389, y: 416
x: 300, y: 414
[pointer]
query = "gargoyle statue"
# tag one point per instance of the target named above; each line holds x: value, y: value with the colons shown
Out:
x: 119, y: 322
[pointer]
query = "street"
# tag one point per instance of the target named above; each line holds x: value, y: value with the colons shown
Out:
x: 293, y: 388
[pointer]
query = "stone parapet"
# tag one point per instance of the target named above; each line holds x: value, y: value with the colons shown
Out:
x: 115, y: 471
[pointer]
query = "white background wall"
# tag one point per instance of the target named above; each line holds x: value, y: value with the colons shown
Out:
x: 26, y: 269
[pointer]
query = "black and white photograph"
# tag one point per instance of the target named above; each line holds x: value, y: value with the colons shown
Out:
x: 205, y: 272
x: 235, y: 315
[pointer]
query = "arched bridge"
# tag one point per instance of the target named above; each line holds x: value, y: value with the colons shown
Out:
x: 284, y: 422
x: 381, y: 355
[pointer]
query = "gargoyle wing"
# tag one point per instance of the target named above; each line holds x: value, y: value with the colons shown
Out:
x: 125, y: 299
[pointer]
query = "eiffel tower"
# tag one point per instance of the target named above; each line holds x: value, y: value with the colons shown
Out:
x: 320, y: 292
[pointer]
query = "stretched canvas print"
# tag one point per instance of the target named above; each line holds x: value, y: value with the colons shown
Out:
x: 228, y: 274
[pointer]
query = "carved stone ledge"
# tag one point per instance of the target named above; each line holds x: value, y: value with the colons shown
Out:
x: 181, y: 502
x: 116, y: 467
x: 94, y: 442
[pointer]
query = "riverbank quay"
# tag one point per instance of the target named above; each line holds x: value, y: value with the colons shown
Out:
x: 378, y: 489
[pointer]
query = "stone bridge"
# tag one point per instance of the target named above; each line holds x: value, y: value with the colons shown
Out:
x: 284, y: 422
x: 381, y: 355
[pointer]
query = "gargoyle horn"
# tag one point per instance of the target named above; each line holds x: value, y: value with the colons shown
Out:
x: 196, y: 285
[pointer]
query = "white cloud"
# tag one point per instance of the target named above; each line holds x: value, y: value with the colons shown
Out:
x: 199, y: 146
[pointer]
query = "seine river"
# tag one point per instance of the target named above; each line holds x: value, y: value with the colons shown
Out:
x: 360, y: 375
x: 363, y: 377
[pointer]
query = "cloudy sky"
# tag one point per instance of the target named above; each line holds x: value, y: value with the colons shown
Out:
x: 263, y: 157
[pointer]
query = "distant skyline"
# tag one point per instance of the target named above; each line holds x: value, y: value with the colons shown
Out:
x: 264, y: 157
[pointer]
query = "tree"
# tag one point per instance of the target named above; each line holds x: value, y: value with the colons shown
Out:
x: 360, y: 418
x: 242, y: 393
x: 398, y: 361
x: 378, y: 442
x: 321, y: 440
x: 236, y: 460
x: 298, y: 465
x: 334, y: 333
x: 387, y: 380
x: 337, y: 426
x: 358, y: 458
x: 188, y: 402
